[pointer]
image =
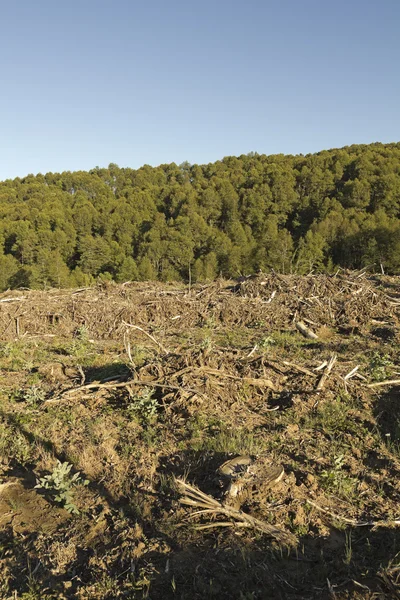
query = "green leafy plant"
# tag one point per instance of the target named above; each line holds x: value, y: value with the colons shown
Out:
x: 267, y: 342
x: 144, y: 405
x: 33, y: 395
x: 336, y: 479
x: 81, y: 348
x: 60, y: 484
x: 378, y: 366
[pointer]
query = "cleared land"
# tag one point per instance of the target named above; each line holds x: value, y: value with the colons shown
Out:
x: 141, y: 387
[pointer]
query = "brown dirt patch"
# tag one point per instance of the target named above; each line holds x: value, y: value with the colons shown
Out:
x: 25, y: 511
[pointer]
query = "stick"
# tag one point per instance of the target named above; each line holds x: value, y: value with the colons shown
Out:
x: 322, y: 366
x: 13, y: 299
x: 111, y: 386
x: 305, y: 331
x: 326, y: 373
x: 249, y: 380
x: 386, y: 382
x: 148, y: 335
x: 352, y: 373
x: 252, y: 351
x: 195, y: 497
x: 298, y: 368
x: 353, y: 521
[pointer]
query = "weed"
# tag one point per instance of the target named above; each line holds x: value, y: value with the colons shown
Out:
x: 14, y: 445
x: 35, y: 592
x: 332, y: 417
x: 336, y: 480
x: 378, y: 366
x: 393, y: 438
x: 285, y: 339
x: 32, y: 396
x: 14, y: 504
x: 258, y: 324
x: 15, y: 355
x: 166, y: 483
x: 267, y: 342
x: 220, y: 438
x: 144, y: 405
x: 348, y: 552
x: 81, y: 348
x: 60, y: 483
x: 143, y: 581
x: 207, y: 342
x: 150, y: 436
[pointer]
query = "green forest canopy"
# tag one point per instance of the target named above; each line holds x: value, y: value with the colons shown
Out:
x: 232, y: 217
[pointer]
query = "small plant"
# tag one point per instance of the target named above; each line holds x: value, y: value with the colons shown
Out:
x: 81, y: 347
x: 218, y: 437
x: 378, y: 366
x: 393, y: 438
x: 348, y: 551
x: 60, y: 484
x: 336, y: 480
x: 207, y: 342
x: 143, y: 405
x: 285, y: 339
x: 33, y: 396
x: 258, y: 324
x: 267, y: 342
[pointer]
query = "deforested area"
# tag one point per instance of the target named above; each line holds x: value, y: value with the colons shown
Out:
x: 238, y: 439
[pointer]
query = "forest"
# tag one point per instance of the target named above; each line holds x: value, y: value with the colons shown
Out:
x: 237, y: 216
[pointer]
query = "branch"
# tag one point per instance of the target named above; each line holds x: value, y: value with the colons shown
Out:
x: 192, y: 496
x: 132, y: 382
x: 326, y: 373
x: 305, y: 331
x: 353, y: 521
x: 148, y: 335
x: 387, y: 382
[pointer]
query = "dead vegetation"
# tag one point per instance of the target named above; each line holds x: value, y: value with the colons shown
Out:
x: 148, y: 389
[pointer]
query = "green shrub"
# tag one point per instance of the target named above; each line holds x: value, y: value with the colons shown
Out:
x: 144, y: 405
x: 378, y: 366
x: 60, y: 484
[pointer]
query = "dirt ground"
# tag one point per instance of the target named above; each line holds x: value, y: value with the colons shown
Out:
x: 120, y: 403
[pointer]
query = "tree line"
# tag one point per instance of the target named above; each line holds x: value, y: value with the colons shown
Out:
x: 233, y: 217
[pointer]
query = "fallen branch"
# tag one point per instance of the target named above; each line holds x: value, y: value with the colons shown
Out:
x: 299, y: 368
x: 148, y: 335
x: 305, y: 331
x: 111, y: 386
x: 386, y: 382
x: 260, y: 382
x: 353, y: 522
x: 20, y: 299
x: 326, y: 373
x: 192, y: 496
x: 352, y: 373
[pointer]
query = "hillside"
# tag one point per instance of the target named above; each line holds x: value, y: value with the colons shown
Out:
x: 121, y: 405
x: 293, y: 214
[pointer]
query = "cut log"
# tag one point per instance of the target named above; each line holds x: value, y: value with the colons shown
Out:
x: 304, y: 330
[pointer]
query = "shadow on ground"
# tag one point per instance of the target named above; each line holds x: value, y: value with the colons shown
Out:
x: 351, y: 563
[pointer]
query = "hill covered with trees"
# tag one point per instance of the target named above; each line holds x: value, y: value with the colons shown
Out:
x: 235, y: 216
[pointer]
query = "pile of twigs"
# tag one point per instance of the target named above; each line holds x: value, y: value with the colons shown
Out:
x: 192, y: 496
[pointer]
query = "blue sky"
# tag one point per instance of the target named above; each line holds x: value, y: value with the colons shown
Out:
x: 89, y: 82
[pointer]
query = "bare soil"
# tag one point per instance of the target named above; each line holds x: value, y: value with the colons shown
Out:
x: 140, y: 386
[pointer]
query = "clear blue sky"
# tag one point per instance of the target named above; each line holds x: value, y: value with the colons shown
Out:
x: 89, y: 82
